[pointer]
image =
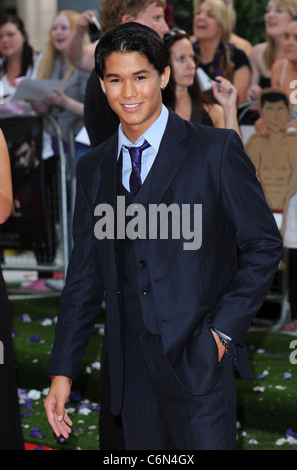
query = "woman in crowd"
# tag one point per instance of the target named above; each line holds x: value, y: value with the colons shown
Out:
x: 265, y: 54
x: 183, y: 93
x: 284, y: 71
x: 68, y: 105
x: 217, y: 56
x: 10, y: 424
x: 239, y: 42
x: 17, y: 57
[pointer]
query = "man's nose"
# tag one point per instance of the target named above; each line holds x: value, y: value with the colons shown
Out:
x: 164, y: 28
x: 129, y: 89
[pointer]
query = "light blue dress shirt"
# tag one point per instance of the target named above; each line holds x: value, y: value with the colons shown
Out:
x: 153, y: 135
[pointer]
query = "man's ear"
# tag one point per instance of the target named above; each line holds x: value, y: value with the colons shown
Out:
x: 102, y: 85
x: 127, y: 18
x: 165, y: 76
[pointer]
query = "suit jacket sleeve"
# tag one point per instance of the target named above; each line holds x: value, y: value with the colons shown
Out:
x: 82, y: 296
x: 258, y: 240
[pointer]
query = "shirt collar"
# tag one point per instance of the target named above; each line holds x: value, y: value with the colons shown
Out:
x: 153, y: 135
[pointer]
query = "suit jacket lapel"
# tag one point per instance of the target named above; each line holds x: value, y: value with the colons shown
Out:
x: 171, y: 154
x: 168, y: 160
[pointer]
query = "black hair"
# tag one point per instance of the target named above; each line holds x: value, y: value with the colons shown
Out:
x: 273, y: 97
x: 27, y: 52
x: 132, y: 37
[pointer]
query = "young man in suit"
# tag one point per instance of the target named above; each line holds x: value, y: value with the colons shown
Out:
x: 101, y: 123
x: 185, y: 260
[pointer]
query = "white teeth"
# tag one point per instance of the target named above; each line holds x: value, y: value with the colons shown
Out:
x: 131, y: 105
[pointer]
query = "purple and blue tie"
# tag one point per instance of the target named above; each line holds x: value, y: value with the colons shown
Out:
x: 135, y: 178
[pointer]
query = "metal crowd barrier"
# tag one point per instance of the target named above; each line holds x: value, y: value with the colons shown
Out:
x: 52, y: 255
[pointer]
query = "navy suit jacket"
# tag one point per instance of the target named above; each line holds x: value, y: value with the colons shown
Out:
x: 222, y: 284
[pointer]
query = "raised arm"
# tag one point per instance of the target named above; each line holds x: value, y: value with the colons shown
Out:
x: 82, y: 55
x: 226, y: 94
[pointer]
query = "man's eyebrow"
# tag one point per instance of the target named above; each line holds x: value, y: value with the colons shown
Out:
x: 139, y: 72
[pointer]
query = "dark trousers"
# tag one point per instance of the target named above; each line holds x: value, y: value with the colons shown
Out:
x: 111, y: 434
x: 159, y: 414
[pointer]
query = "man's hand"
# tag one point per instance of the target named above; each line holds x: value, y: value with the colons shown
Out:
x: 221, y: 347
x: 55, y: 406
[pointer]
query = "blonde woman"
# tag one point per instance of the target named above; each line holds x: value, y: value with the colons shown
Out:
x: 238, y: 41
x: 263, y: 55
x: 217, y: 56
x: 54, y: 64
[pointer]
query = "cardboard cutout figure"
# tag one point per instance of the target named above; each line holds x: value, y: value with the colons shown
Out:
x: 275, y: 157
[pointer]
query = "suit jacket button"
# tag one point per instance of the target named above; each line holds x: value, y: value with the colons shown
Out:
x: 117, y: 292
x: 145, y: 291
x: 142, y: 264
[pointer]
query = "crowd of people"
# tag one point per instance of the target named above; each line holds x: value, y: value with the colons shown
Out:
x: 212, y: 72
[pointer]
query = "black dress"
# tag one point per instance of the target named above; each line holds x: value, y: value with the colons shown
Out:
x: 10, y: 423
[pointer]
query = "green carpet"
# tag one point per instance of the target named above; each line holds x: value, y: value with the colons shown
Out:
x: 267, y: 414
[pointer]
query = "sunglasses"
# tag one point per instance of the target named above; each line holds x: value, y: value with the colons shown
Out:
x: 174, y: 32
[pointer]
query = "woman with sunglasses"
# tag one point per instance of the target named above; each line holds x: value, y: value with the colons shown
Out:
x: 183, y: 93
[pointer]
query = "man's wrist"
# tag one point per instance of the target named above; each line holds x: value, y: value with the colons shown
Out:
x: 52, y: 377
x: 224, y: 339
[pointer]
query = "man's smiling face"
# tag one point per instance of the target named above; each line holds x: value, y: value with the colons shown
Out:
x: 133, y: 88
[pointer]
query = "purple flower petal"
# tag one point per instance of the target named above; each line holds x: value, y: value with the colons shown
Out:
x: 25, y: 415
x: 36, y: 434
x: 61, y: 440
x: 287, y: 376
x: 290, y: 432
x: 35, y: 339
x: 28, y: 404
x: 75, y: 396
